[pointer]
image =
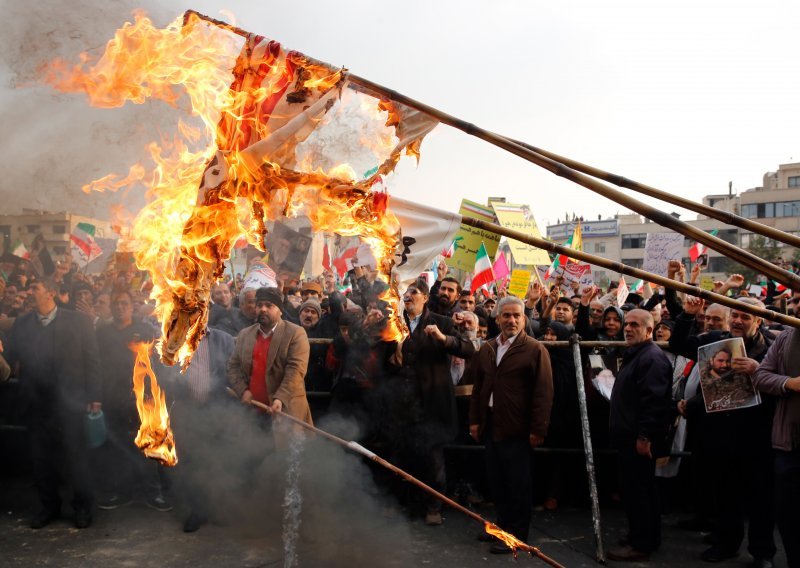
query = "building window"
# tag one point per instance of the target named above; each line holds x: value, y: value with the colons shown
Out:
x: 633, y: 262
x: 60, y: 250
x: 794, y: 181
x: 634, y: 240
x: 59, y: 229
x: 758, y: 210
x: 599, y: 247
x: 746, y: 239
x: 787, y: 209
x: 32, y: 229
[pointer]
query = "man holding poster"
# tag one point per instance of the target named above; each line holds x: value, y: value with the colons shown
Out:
x: 733, y: 438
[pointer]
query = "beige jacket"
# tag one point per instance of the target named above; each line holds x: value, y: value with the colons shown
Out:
x: 287, y: 363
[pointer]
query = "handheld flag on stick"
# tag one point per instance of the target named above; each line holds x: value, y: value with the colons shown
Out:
x: 575, y: 241
x: 20, y: 251
x: 699, y: 248
x: 500, y: 266
x: 483, y: 270
x: 84, y: 248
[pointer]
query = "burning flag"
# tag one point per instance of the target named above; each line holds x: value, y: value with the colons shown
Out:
x: 263, y: 109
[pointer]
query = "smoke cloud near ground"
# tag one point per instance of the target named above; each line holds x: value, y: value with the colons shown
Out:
x: 55, y: 143
x: 230, y: 467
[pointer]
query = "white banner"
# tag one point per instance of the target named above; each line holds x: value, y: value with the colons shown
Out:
x: 425, y: 233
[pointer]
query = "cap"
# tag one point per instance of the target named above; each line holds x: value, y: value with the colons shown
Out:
x: 271, y: 295
x: 312, y: 303
x: 311, y: 287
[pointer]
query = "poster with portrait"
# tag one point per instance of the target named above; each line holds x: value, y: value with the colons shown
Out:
x: 288, y: 250
x: 723, y: 388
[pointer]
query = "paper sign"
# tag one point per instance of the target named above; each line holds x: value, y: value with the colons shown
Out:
x: 707, y: 282
x: 520, y: 218
x: 755, y: 290
x: 622, y: 292
x: 470, y: 237
x: 580, y: 273
x: 520, y: 279
x: 659, y: 249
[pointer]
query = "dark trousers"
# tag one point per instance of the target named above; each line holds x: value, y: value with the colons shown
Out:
x: 58, y: 454
x: 508, y: 467
x: 787, y: 496
x: 637, y: 476
x: 744, y: 489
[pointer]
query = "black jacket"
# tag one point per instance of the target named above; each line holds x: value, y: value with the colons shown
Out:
x: 642, y: 397
x: 59, y: 367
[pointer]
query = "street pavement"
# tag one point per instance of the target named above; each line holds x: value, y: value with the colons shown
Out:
x: 137, y: 536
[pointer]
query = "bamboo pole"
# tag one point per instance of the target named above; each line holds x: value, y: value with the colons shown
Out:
x: 359, y: 449
x: 630, y: 271
x: 650, y: 191
x: 600, y: 554
x: 739, y: 255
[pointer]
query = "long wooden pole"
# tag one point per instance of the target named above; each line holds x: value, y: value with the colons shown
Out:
x: 738, y: 254
x: 743, y: 257
x: 600, y: 554
x: 621, y: 181
x: 358, y: 448
x: 630, y: 271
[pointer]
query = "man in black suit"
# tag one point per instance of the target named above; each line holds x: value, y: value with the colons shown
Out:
x: 55, y: 356
x: 423, y: 405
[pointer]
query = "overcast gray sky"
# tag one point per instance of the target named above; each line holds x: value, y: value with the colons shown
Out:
x: 683, y: 95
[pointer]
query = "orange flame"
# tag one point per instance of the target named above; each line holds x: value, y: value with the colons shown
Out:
x: 508, y: 539
x: 154, y: 436
x: 183, y: 239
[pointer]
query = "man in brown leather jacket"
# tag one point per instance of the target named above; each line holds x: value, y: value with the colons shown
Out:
x: 510, y: 413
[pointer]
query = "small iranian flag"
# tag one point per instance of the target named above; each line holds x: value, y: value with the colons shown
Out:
x: 699, y: 248
x: 637, y: 286
x: 622, y: 292
x: 84, y: 248
x: 483, y: 270
x: 20, y: 250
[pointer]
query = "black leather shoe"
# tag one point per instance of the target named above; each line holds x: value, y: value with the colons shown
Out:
x: 762, y: 563
x: 193, y: 522
x: 83, y: 519
x: 43, y: 518
x: 716, y: 554
x: 485, y: 537
x: 500, y: 548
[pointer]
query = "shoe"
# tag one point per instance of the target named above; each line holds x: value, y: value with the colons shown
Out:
x: 115, y: 501
x: 83, y: 519
x: 627, y: 554
x: 716, y: 554
x: 500, y: 548
x: 550, y: 504
x: 159, y: 503
x: 483, y: 536
x: 433, y: 519
x: 762, y: 563
x: 193, y: 522
x: 43, y: 518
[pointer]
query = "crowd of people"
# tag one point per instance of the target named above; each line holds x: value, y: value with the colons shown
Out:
x: 473, y: 369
